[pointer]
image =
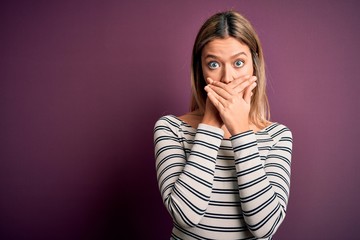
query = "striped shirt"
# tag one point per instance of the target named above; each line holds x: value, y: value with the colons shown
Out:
x: 216, y: 188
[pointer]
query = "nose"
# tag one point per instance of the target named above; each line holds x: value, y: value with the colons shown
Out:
x: 228, y: 74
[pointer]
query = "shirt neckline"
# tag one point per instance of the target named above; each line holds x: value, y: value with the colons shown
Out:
x: 188, y: 125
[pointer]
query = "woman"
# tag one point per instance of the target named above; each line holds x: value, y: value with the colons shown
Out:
x: 223, y: 169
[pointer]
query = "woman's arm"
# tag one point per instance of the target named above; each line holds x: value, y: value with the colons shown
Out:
x: 263, y: 189
x: 185, y: 184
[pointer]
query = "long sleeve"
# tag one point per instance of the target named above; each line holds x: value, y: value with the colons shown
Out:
x: 185, y: 182
x: 263, y: 187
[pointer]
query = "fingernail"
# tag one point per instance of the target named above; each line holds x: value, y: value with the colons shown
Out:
x: 209, y: 80
x: 254, y: 78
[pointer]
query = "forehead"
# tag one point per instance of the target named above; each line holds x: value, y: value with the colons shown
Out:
x: 225, y: 47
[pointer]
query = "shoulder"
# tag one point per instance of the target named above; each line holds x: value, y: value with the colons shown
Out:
x: 178, y: 126
x: 167, y: 127
x: 278, y: 131
x: 168, y: 121
x: 191, y: 119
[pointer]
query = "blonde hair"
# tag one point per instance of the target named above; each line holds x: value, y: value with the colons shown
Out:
x: 223, y: 25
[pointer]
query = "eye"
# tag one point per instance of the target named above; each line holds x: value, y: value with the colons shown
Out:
x: 213, y: 65
x: 239, y: 63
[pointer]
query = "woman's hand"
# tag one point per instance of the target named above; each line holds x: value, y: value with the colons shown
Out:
x: 211, y: 114
x: 232, y: 102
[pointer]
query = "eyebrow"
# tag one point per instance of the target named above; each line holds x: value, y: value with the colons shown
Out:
x: 235, y: 55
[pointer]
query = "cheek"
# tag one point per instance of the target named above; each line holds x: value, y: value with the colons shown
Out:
x: 214, y: 75
x: 251, y: 69
x: 248, y: 69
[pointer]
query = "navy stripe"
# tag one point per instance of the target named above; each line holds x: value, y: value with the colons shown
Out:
x: 205, y: 181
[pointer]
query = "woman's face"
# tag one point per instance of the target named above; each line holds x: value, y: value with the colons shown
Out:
x: 226, y: 59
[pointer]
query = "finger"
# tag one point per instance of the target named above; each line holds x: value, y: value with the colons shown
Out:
x: 250, y: 80
x: 222, y: 90
x: 242, y: 86
x: 218, y: 101
x: 248, y: 93
x: 239, y: 80
x: 209, y: 80
x: 213, y: 99
x: 227, y: 90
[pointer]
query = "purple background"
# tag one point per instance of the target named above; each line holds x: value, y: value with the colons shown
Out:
x: 83, y: 82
